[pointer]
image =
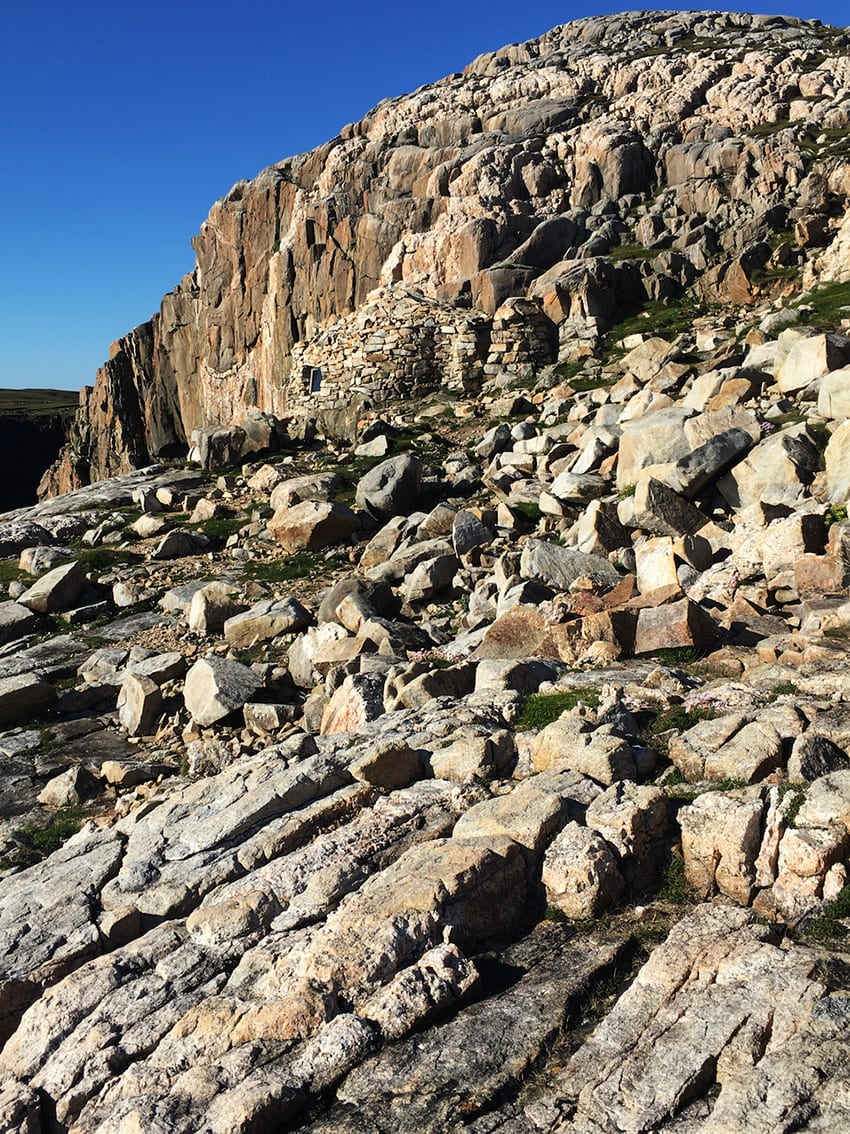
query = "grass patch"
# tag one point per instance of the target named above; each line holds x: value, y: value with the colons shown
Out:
x: 666, y: 320
x: 835, y: 514
x: 799, y: 798
x: 64, y: 823
x: 591, y: 382
x: 528, y: 510
x: 839, y: 633
x: 677, y: 655
x: 38, y: 401
x: 678, y: 719
x: 97, y: 559
x: 540, y: 709
x: 568, y: 370
x: 829, y: 303
x: 631, y: 252
x: 828, y: 928
x: 10, y: 572
x: 673, y: 886
x: 301, y: 565
x: 221, y: 527
x: 785, y: 687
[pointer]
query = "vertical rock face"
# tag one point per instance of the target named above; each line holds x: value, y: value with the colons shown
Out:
x: 33, y: 428
x: 610, y: 162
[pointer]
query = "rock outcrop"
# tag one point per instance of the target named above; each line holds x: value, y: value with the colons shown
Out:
x: 488, y: 223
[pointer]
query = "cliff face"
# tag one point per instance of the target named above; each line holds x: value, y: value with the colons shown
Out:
x: 33, y: 427
x: 612, y: 161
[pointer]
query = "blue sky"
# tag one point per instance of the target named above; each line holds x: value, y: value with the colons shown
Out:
x: 122, y: 122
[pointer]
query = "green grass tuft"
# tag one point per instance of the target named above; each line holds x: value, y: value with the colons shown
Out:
x: 540, y: 709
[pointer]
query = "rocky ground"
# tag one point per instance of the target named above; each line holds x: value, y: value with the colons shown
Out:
x: 476, y: 760
x: 490, y: 772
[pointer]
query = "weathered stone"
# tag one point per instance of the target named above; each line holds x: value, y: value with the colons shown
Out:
x: 808, y: 358
x: 692, y: 473
x: 212, y: 606
x: 633, y: 820
x: 139, y: 704
x: 565, y: 745
x: 690, y: 750
x: 353, y: 601
x: 15, y: 621
x: 58, y: 590
x: 388, y: 764
x: 776, y: 471
x: 580, y: 873
x: 312, y: 525
x: 470, y: 758
x: 23, y: 697
x: 682, y: 623
x: 559, y: 567
x: 359, y: 699
x: 429, y: 578
x: 178, y: 543
x: 813, y: 756
x: 721, y: 837
x: 294, y: 490
x: 749, y: 755
x: 70, y: 788
x: 264, y: 621
x: 660, y: 510
x: 655, y: 564
x: 390, y: 488
x: 468, y: 533
x: 265, y: 719
x: 215, y: 688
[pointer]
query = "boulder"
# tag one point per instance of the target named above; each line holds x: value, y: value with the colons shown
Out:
x: 23, y: 697
x: 388, y: 764
x: 70, y: 788
x: 139, y: 704
x: 58, y: 590
x: 390, y: 488
x: 837, y: 463
x: 559, y: 567
x: 660, y: 510
x: 581, y: 874
x: 809, y: 357
x: 357, y: 701
x: 814, y: 755
x: 179, y: 543
x: 215, y: 688
x: 429, y: 578
x: 312, y: 525
x: 682, y: 623
x: 15, y: 621
x: 567, y: 745
x: 472, y: 757
x: 212, y: 606
x: 264, y: 621
x: 721, y: 838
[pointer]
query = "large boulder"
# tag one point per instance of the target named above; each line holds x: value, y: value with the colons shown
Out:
x: 23, y: 697
x: 216, y: 687
x: 311, y: 525
x: 58, y: 590
x: 264, y: 621
x: 390, y: 488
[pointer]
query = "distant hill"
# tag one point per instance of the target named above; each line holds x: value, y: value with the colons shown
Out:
x: 33, y: 428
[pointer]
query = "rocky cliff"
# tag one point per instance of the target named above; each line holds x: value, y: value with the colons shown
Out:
x: 611, y: 162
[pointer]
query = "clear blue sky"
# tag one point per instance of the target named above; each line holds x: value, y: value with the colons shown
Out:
x: 123, y: 121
